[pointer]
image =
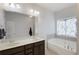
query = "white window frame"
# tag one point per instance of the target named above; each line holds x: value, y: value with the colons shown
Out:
x: 65, y: 34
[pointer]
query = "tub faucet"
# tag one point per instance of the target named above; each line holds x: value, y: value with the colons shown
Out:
x: 68, y: 47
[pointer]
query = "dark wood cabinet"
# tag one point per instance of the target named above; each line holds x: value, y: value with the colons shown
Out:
x: 12, y: 51
x: 29, y: 49
x: 37, y: 48
x: 19, y: 53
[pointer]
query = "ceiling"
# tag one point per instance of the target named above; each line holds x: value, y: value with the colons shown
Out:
x: 55, y: 6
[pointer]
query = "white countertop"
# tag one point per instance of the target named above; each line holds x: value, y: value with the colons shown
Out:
x: 15, y: 42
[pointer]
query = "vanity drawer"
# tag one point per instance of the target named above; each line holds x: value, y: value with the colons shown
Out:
x: 41, y: 53
x: 41, y: 47
x: 19, y: 53
x: 28, y: 51
x: 28, y: 46
x: 38, y: 50
x: 12, y: 50
x: 39, y: 43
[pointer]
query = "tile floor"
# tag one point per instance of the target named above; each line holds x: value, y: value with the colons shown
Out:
x: 50, y: 52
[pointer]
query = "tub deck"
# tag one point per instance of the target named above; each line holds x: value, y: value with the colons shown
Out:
x: 58, y: 47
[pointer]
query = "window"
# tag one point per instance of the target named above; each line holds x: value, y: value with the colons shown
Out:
x: 67, y: 27
x: 61, y: 27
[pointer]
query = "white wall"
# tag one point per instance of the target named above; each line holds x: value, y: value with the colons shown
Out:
x: 45, y: 25
x: 17, y: 25
x: 67, y: 12
x: 2, y: 20
x: 45, y: 22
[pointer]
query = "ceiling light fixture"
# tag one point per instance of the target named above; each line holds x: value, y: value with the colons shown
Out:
x: 31, y: 10
x: 36, y: 13
x: 18, y: 6
x: 12, y: 5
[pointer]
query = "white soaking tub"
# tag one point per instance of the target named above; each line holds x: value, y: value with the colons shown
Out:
x: 62, y: 46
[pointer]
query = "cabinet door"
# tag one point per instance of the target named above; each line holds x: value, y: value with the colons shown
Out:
x: 19, y: 53
x: 30, y: 54
x: 39, y: 48
x: 28, y: 46
x: 12, y: 51
x: 36, y: 50
x: 29, y: 51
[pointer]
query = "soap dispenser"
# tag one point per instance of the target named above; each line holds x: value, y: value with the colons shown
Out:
x: 30, y: 31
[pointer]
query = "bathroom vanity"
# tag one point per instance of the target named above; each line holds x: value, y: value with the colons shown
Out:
x: 17, y: 23
x: 26, y: 47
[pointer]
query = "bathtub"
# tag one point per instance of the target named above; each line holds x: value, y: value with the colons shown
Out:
x: 61, y: 46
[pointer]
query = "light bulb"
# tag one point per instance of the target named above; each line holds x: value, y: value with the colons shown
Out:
x: 38, y: 12
x: 12, y: 5
x: 31, y: 10
x: 18, y: 6
x: 35, y: 12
